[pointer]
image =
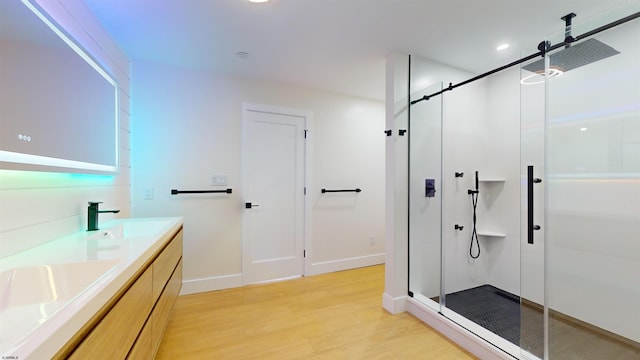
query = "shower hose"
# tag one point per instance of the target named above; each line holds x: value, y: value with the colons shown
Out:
x: 474, y: 233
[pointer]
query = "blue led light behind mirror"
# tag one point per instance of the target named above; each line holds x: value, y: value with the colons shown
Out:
x: 58, y: 107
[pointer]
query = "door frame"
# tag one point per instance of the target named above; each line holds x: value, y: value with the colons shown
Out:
x: 308, y: 126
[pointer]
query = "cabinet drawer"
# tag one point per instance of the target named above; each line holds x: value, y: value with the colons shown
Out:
x: 113, y: 335
x: 162, y: 311
x: 165, y: 263
x: 142, y: 348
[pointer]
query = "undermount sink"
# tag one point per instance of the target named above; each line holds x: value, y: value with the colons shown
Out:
x: 30, y: 295
x: 49, y: 283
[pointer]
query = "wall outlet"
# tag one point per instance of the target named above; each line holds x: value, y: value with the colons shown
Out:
x: 148, y: 193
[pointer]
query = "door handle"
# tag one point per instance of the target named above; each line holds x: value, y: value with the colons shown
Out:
x: 250, y: 205
x: 531, y: 227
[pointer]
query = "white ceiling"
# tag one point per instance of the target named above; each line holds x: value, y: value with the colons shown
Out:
x: 333, y: 45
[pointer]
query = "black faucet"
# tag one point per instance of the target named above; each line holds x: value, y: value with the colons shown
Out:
x: 93, y: 211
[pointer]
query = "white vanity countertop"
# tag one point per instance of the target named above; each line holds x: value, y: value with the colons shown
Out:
x: 49, y: 292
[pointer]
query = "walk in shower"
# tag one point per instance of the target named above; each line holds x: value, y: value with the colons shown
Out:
x: 524, y: 195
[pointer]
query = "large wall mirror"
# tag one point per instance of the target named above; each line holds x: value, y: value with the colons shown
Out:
x: 58, y: 106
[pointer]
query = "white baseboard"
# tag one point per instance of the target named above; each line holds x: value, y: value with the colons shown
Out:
x: 235, y: 280
x: 211, y: 284
x: 456, y: 333
x: 344, y: 264
x: 394, y: 305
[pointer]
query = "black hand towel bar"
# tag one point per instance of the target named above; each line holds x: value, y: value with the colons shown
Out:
x: 343, y: 190
x: 176, y: 192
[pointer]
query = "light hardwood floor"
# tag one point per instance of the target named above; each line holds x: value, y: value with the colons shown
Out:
x: 330, y: 316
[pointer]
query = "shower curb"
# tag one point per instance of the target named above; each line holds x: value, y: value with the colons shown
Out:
x: 456, y: 333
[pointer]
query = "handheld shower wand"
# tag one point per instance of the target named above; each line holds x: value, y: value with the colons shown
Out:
x: 474, y: 233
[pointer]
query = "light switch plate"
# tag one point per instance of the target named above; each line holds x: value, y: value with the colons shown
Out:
x: 219, y: 180
x: 148, y: 193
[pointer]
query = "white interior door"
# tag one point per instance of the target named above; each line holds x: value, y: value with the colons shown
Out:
x: 273, y: 188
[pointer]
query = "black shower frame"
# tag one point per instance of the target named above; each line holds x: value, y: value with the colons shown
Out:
x: 544, y: 47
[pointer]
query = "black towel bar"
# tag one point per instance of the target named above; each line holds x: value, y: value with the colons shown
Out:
x: 357, y: 190
x: 176, y: 192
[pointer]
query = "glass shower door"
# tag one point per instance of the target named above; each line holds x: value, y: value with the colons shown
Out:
x: 425, y: 197
x: 580, y: 171
x: 532, y: 244
x: 592, y: 205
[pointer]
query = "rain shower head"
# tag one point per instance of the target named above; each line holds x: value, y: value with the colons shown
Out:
x: 586, y: 52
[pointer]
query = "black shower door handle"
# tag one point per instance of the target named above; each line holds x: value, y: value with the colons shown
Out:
x: 531, y: 227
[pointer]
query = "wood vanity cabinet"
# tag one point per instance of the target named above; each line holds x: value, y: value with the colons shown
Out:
x: 132, y: 325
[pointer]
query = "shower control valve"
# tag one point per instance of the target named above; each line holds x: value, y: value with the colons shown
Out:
x: 429, y: 187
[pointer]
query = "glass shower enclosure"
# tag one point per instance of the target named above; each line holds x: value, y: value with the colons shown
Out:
x: 545, y: 262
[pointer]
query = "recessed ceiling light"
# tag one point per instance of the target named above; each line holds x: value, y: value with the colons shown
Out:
x: 258, y: 1
x: 583, y: 129
x: 502, y: 47
x: 242, y: 54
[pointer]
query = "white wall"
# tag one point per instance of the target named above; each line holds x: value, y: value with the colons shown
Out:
x: 500, y: 202
x: 36, y: 207
x: 482, y: 133
x: 465, y: 141
x: 188, y: 128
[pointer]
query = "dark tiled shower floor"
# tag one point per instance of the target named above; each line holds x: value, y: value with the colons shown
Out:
x: 500, y: 312
x: 496, y: 310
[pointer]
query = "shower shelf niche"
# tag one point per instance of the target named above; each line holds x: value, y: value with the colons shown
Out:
x: 493, y: 186
x: 491, y: 233
x: 492, y: 180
